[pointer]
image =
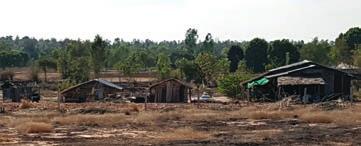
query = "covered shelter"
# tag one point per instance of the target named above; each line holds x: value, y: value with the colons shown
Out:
x: 310, y: 81
x: 16, y: 91
x: 92, y: 90
x: 170, y: 91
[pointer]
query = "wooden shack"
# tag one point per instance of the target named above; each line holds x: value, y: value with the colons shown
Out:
x: 16, y: 91
x: 92, y: 90
x: 170, y: 91
x: 310, y: 81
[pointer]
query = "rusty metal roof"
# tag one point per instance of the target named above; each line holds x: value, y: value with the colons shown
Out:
x: 288, y: 80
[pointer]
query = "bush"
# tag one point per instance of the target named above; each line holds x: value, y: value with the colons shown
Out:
x: 230, y: 84
x: 34, y: 127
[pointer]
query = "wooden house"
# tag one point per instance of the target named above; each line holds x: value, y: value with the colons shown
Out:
x: 170, y: 91
x: 16, y: 91
x: 310, y: 81
x: 92, y: 90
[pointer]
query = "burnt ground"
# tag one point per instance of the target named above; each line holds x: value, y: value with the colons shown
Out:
x: 228, y: 131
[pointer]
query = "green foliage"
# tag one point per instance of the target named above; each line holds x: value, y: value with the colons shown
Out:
x: 235, y: 54
x: 256, y: 55
x: 208, y: 44
x: 189, y: 70
x: 207, y: 66
x: 222, y: 68
x: 353, y: 37
x: 230, y: 84
x: 65, y: 85
x: 282, y: 52
x: 163, y: 66
x: 73, y: 62
x: 13, y: 59
x: 191, y: 40
x: 357, y: 57
x: 130, y: 65
x: 46, y: 63
x: 97, y: 55
x: 317, y: 51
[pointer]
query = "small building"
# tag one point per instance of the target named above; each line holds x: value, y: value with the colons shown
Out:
x: 310, y: 81
x: 92, y: 90
x: 170, y: 91
x: 16, y: 91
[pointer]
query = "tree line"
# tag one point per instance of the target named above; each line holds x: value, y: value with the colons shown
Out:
x: 203, y: 61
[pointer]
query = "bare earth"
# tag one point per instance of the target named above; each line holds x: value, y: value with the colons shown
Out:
x: 178, y: 124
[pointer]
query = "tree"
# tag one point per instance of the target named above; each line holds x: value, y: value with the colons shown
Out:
x: 234, y: 55
x: 73, y: 61
x: 280, y: 50
x: 222, y: 68
x: 208, y: 44
x: 230, y: 84
x: 207, y: 66
x: 256, y: 55
x: 341, y: 52
x: 346, y: 44
x: 97, y: 53
x: 317, y: 51
x: 191, y: 40
x: 128, y: 66
x: 163, y: 66
x: 44, y: 64
x: 353, y: 37
x: 189, y: 70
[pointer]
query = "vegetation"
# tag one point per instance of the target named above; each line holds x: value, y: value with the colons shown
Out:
x: 205, y: 61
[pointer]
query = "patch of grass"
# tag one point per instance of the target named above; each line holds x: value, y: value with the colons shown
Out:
x: 186, y: 133
x: 270, y: 115
x: 34, y: 127
x: 91, y: 120
x: 318, y: 117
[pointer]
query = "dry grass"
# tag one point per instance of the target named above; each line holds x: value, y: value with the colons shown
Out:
x: 25, y: 104
x: 34, y: 127
x: 275, y: 115
x: 91, y: 120
x: 318, y: 117
x: 186, y: 133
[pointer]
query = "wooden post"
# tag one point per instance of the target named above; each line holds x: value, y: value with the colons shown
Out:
x: 59, y: 96
x: 342, y: 86
x: 145, y: 103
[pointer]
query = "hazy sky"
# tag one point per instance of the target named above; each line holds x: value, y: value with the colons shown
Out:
x: 169, y: 19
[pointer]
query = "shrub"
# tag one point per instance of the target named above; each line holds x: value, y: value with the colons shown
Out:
x: 34, y: 127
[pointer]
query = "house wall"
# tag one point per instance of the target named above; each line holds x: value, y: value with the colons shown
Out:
x: 170, y: 91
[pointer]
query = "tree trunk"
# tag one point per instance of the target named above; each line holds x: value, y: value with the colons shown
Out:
x: 45, y: 77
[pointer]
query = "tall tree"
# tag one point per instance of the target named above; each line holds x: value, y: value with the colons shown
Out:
x: 279, y: 50
x: 163, y: 66
x: 189, y: 70
x: 317, y: 51
x: 97, y: 53
x: 207, y: 66
x: 191, y: 40
x: 208, y: 44
x: 234, y: 55
x: 256, y: 55
x: 353, y: 37
x: 46, y: 63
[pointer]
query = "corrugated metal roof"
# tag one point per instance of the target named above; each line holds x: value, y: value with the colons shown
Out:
x: 285, y: 70
x: 109, y: 84
x: 288, y: 80
x: 104, y: 82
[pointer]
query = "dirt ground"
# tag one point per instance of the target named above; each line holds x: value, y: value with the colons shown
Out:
x: 178, y: 124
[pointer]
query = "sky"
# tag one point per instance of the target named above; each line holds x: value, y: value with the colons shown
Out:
x: 169, y: 19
